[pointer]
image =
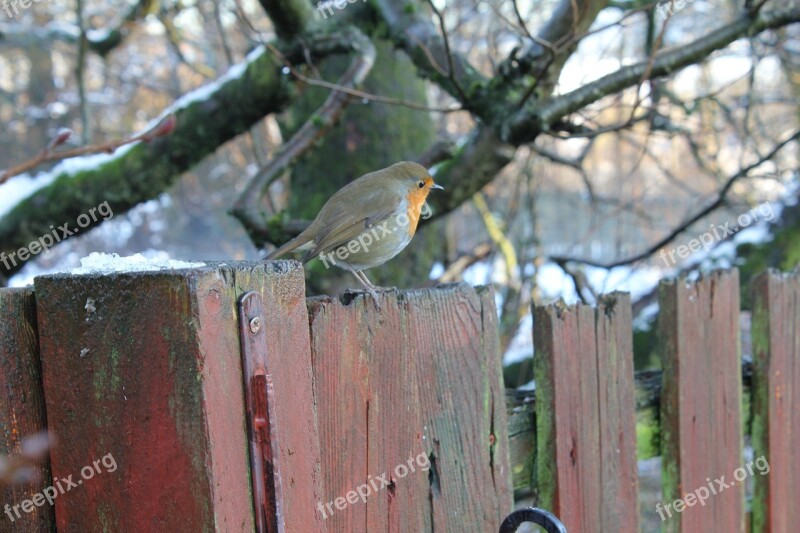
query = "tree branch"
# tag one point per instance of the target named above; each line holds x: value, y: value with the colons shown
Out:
x: 206, y: 119
x: 429, y: 52
x: 101, y: 42
x: 248, y: 207
x: 525, y: 125
x: 474, y: 165
x: 47, y: 155
x: 290, y: 17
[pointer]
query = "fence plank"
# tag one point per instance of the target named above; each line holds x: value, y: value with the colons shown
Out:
x: 520, y: 406
x: 282, y: 286
x: 22, y: 411
x: 701, y: 403
x: 145, y: 368
x: 776, y: 400
x: 585, y: 416
x: 416, y: 383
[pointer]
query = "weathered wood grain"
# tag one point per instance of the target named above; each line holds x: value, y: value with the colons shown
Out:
x: 520, y: 406
x: 701, y: 402
x: 416, y: 383
x: 586, y: 445
x: 282, y: 287
x: 146, y: 368
x: 776, y: 401
x: 22, y: 410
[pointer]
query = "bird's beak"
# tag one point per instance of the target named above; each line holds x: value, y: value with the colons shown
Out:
x: 437, y: 187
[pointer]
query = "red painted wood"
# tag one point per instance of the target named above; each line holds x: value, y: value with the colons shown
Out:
x: 260, y: 410
x: 418, y: 380
x: 776, y: 401
x: 147, y: 368
x: 701, y: 401
x: 585, y: 412
x: 22, y: 412
x: 282, y: 287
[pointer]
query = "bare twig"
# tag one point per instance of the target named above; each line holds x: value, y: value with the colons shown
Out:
x: 247, y: 208
x: 649, y: 67
x: 521, y: 20
x: 226, y: 47
x: 449, y: 55
x: 579, y: 280
x: 721, y: 197
x: 355, y: 92
x: 456, y: 269
x: 47, y: 155
x: 80, y: 74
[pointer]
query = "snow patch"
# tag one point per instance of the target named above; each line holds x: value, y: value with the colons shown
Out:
x: 531, y: 386
x: 99, y: 263
x: 23, y: 186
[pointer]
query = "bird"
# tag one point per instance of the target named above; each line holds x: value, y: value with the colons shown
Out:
x: 367, y: 222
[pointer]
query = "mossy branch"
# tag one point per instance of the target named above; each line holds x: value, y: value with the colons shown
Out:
x: 148, y: 169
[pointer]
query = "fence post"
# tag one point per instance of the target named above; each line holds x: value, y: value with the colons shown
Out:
x: 701, y: 404
x: 143, y: 370
x: 585, y: 414
x: 411, y: 411
x: 22, y: 412
x: 776, y: 401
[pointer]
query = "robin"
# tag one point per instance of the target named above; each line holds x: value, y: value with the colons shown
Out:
x: 368, y: 221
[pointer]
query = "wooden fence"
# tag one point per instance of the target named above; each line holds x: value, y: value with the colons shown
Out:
x: 404, y: 402
x: 573, y: 441
x: 143, y: 371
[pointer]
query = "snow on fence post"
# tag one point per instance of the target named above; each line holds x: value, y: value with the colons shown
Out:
x: 22, y: 411
x: 143, y: 386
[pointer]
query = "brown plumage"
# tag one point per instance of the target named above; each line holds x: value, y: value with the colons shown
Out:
x: 366, y: 222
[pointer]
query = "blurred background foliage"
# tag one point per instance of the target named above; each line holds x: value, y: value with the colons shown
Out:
x: 588, y: 200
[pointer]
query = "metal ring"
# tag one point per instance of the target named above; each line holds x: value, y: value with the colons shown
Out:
x: 543, y: 518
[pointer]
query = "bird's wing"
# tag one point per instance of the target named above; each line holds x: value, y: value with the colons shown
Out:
x: 345, y: 221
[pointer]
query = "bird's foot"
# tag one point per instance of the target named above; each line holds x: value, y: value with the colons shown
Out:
x: 372, y: 291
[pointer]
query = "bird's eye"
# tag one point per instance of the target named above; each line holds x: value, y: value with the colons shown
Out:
x: 420, y: 184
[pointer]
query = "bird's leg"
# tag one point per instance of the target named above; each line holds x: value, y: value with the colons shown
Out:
x: 361, y: 279
x: 367, y: 285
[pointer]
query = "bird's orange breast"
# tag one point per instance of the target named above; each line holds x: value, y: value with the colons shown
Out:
x: 416, y: 199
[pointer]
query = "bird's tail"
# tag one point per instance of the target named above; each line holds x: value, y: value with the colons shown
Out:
x: 295, y: 243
